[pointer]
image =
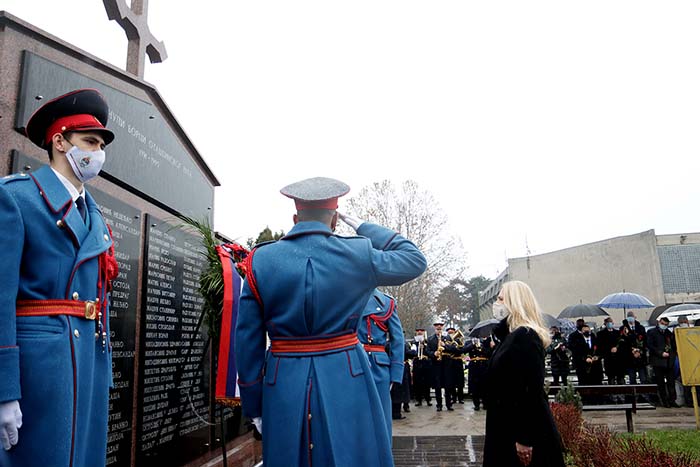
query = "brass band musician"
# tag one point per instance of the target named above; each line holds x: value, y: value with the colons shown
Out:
x: 422, y: 369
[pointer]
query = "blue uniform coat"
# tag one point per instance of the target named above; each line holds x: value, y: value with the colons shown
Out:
x: 321, y: 410
x: 54, y: 365
x: 386, y: 368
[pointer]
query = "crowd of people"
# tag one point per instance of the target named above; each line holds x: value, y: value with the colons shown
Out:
x: 624, y: 354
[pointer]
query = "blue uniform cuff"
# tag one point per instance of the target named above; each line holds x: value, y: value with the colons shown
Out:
x: 9, y: 374
x: 378, y: 235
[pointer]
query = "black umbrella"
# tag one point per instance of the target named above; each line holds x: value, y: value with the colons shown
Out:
x: 484, y: 328
x: 581, y: 310
x: 550, y: 320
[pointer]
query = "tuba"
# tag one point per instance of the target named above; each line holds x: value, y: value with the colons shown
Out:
x: 458, y: 337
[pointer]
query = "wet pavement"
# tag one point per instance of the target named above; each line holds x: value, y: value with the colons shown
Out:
x: 427, y: 438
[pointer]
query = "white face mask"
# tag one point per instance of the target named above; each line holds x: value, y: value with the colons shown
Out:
x: 419, y: 338
x: 499, y: 311
x: 85, y: 164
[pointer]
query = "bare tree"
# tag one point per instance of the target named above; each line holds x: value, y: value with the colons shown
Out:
x: 415, y: 214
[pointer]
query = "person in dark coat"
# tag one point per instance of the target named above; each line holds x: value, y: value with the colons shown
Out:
x: 612, y: 350
x: 456, y: 367
x: 662, y: 357
x: 520, y: 429
x: 422, y: 369
x: 439, y: 344
x: 559, y: 357
x: 400, y: 393
x: 636, y: 349
x: 479, y: 353
x: 586, y: 356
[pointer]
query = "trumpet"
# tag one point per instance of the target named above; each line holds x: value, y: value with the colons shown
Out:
x: 421, y: 351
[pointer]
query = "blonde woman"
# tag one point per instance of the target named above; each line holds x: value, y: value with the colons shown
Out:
x: 519, y: 425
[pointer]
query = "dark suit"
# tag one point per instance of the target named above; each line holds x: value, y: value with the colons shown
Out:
x: 609, y: 339
x: 581, y: 350
x: 661, y: 342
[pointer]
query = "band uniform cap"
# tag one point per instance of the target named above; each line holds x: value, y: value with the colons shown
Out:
x: 419, y: 329
x: 316, y: 193
x: 450, y: 329
x: 80, y: 110
x: 438, y: 323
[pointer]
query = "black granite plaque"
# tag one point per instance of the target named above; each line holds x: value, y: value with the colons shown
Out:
x: 174, y: 395
x: 125, y: 222
x: 146, y: 155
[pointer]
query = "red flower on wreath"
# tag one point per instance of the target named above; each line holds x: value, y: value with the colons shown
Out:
x: 240, y: 254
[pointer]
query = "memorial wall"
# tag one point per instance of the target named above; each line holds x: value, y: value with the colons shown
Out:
x: 160, y: 410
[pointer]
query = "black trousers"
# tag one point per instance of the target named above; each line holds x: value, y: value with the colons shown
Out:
x: 421, y: 383
x: 663, y: 376
x: 442, y: 380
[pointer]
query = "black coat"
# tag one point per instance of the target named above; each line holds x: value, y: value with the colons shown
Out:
x: 401, y: 393
x: 614, y: 362
x: 559, y: 356
x: 518, y: 410
x: 659, y: 342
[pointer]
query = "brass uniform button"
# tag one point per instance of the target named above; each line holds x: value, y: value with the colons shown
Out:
x: 75, y: 296
x: 76, y: 333
x: 60, y: 224
x: 106, y: 237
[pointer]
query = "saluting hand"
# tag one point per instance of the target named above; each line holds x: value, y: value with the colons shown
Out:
x: 353, y: 222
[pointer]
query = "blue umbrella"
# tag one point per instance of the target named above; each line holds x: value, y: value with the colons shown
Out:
x: 625, y: 300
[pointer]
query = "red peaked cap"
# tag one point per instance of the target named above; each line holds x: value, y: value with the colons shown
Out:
x: 316, y: 193
x: 80, y: 110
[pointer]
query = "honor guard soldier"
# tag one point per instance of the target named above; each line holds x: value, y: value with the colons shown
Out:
x: 380, y: 328
x: 422, y: 369
x: 57, y: 261
x: 312, y: 392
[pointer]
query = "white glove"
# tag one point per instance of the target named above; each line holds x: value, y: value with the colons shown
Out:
x: 10, y: 422
x: 257, y: 421
x: 414, y: 348
x: 353, y: 222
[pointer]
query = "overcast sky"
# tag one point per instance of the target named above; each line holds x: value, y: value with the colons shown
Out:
x: 552, y: 123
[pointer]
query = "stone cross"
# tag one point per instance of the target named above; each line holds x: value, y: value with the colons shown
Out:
x: 141, y: 41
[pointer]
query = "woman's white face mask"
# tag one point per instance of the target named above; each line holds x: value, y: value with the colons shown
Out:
x: 499, y: 310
